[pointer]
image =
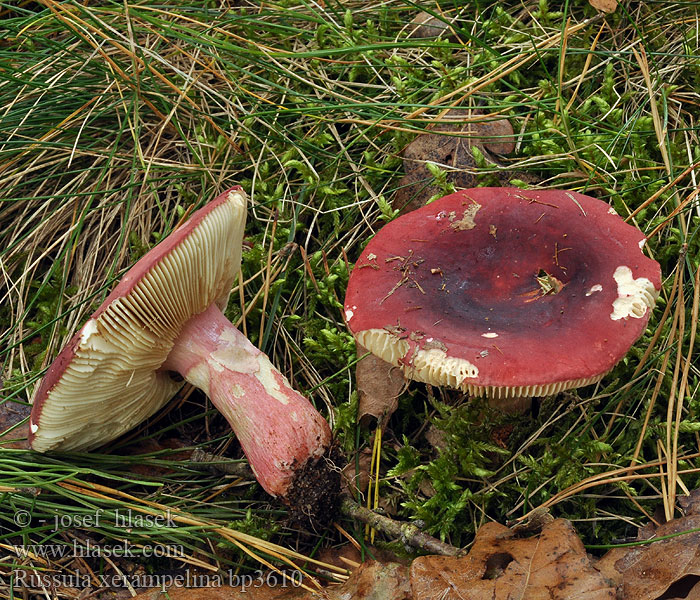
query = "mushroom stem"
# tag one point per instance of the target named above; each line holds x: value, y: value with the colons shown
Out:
x: 278, y: 428
x: 512, y: 406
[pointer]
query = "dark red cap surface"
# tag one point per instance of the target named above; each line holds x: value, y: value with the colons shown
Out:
x: 504, y: 292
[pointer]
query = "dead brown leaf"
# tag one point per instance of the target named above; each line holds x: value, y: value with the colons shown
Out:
x: 450, y: 145
x: 425, y: 25
x: 606, y: 6
x: 666, y: 569
x: 502, y: 565
x: 553, y: 565
x: 550, y: 566
x: 379, y: 385
x: 12, y: 433
x: 374, y: 581
x: 370, y: 581
x: 436, y: 438
x: 152, y: 446
x: 355, y: 475
x: 228, y: 592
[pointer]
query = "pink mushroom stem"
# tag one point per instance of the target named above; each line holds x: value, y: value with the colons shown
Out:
x: 277, y: 427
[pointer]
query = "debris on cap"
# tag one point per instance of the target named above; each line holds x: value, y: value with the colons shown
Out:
x: 504, y: 293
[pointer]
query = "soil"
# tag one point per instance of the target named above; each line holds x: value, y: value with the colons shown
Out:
x: 312, y: 498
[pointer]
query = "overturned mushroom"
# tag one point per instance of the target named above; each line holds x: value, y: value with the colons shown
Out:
x: 504, y: 293
x: 166, y: 316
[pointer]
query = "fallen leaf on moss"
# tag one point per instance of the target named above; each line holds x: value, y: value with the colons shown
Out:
x: 425, y: 25
x: 606, y: 6
x: 379, y: 385
x: 450, y: 145
x: 665, y: 569
x: 355, y: 475
x: 552, y: 565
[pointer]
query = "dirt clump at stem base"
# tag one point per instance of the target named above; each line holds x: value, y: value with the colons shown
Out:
x: 312, y: 498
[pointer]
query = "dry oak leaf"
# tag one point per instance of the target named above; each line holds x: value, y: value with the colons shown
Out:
x: 348, y: 556
x: 150, y: 468
x: 355, y: 475
x: 606, y: 6
x: 378, y: 385
x: 426, y: 25
x: 374, y: 581
x: 450, y: 145
x: 550, y: 566
x: 665, y: 569
x: 227, y: 592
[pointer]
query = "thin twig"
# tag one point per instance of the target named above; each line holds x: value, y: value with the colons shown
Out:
x: 407, y: 532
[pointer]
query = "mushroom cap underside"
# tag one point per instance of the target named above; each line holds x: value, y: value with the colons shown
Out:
x: 107, y: 380
x: 504, y: 292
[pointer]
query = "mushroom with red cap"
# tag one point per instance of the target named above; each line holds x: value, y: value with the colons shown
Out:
x: 166, y: 316
x: 504, y: 293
